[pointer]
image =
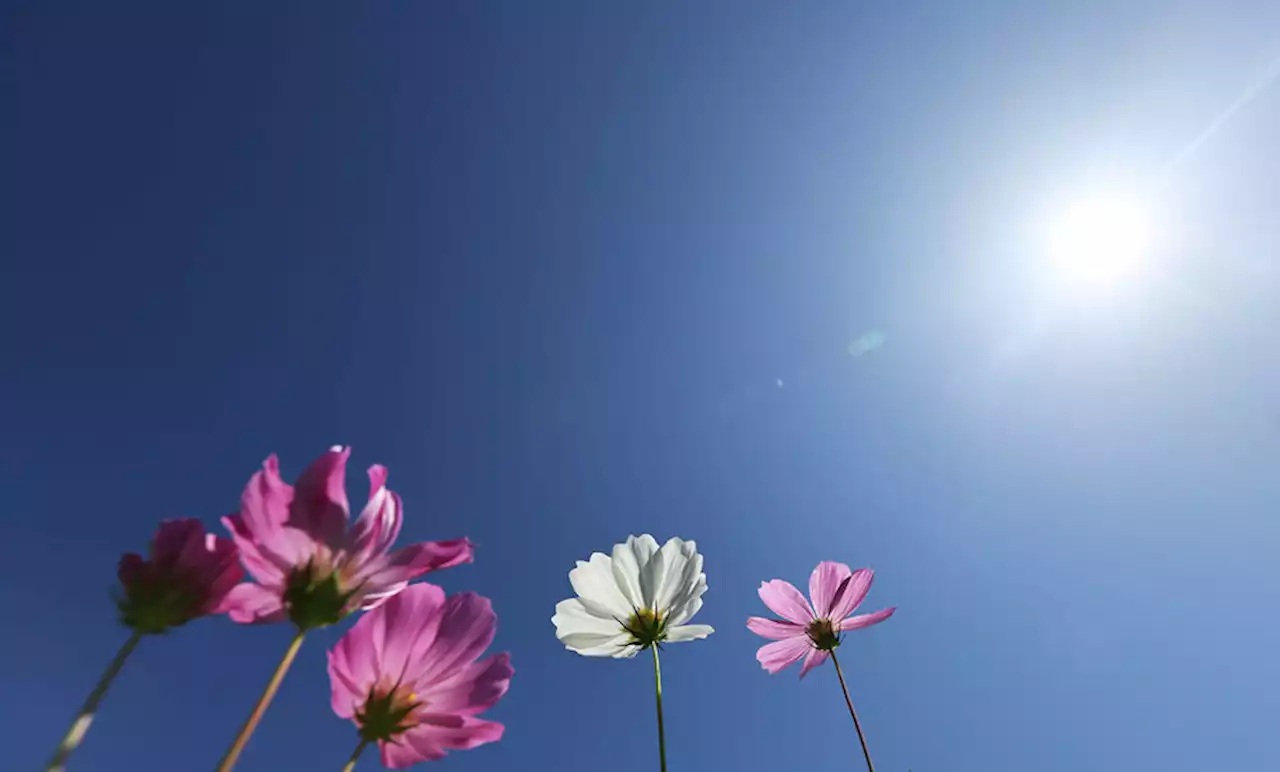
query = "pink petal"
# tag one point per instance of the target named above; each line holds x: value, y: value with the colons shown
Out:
x: 352, y: 670
x: 373, y: 600
x: 457, y: 733
x: 866, y: 620
x: 403, y: 626
x: 773, y: 629
x: 472, y: 689
x: 319, y: 506
x: 177, y: 542
x: 467, y: 627
x: 264, y: 565
x: 264, y: 512
x: 266, y: 499
x: 379, y: 523
x: 260, y: 566
x: 131, y: 569
x: 401, y: 755
x: 205, y: 554
x: 824, y: 585
x: 250, y: 603
x: 388, y: 576
x: 780, y: 654
x: 200, y: 554
x: 854, y: 593
x: 223, y: 574
x: 219, y: 550
x: 814, y: 658
x: 785, y: 600
x: 434, y: 555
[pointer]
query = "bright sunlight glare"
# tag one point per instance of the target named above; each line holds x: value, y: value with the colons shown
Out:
x: 1100, y: 240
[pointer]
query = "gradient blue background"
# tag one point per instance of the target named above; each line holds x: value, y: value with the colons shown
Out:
x: 547, y: 261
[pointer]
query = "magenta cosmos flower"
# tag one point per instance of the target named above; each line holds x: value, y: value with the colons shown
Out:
x: 189, y: 575
x: 409, y: 675
x: 311, y: 567
x: 812, y: 632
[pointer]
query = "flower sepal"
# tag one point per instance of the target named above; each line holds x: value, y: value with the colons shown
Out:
x: 316, y: 600
x: 152, y: 608
x: 647, y: 628
x: 823, y: 635
x: 385, y: 716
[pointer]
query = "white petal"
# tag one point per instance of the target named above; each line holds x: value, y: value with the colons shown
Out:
x: 593, y: 582
x: 675, y: 555
x: 652, y: 574
x: 579, y: 641
x: 618, y: 646
x: 688, y: 633
x: 626, y: 566
x: 591, y: 645
x: 644, y: 546
x: 690, y: 600
x: 685, y: 613
x: 572, y: 616
x: 692, y: 582
x: 627, y: 651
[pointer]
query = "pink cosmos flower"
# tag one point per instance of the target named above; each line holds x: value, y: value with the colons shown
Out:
x: 812, y: 632
x: 309, y: 566
x: 407, y: 674
x: 189, y: 575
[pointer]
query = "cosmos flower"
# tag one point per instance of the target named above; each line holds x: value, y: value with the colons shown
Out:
x: 308, y: 565
x: 640, y: 597
x: 188, y: 575
x: 409, y: 675
x: 812, y: 632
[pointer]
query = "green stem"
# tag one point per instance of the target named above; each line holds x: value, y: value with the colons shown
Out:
x: 856, y: 725
x: 662, y: 735
x: 355, y: 755
x: 80, y: 726
x: 232, y: 755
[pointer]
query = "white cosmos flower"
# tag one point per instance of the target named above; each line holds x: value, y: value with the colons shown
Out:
x: 640, y: 597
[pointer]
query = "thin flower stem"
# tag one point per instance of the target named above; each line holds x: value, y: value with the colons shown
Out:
x: 856, y: 725
x: 80, y: 726
x: 355, y: 755
x: 662, y: 736
x: 232, y: 755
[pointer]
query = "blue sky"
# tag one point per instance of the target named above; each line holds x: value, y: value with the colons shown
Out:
x: 548, y: 263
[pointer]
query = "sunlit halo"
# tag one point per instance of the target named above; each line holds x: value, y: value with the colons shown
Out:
x: 1100, y: 240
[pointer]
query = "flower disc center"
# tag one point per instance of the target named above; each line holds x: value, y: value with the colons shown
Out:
x: 823, y: 634
x: 647, y: 627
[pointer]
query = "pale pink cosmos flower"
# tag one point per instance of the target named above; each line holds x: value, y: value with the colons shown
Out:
x: 308, y: 564
x: 812, y: 632
x: 188, y: 575
x: 409, y: 675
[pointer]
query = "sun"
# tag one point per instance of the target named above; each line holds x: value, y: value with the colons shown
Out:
x: 1101, y: 240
